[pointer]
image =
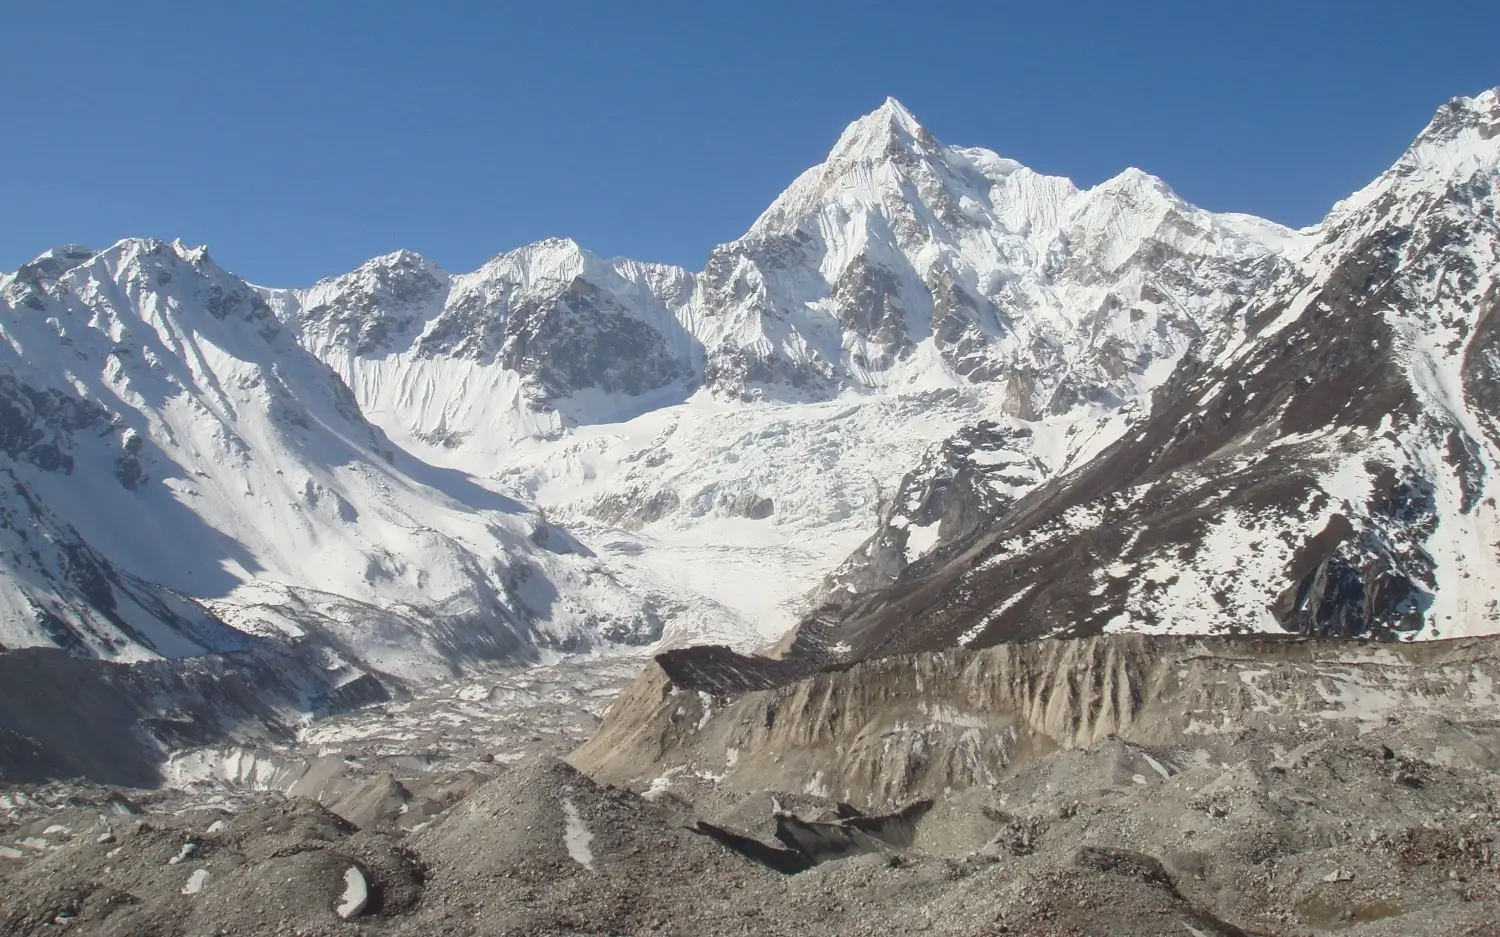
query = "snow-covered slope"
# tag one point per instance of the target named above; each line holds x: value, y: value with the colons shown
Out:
x: 741, y: 424
x: 175, y: 460
x: 1326, y: 467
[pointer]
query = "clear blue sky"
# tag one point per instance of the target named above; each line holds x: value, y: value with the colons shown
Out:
x: 298, y: 139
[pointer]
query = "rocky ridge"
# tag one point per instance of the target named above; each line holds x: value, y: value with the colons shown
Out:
x: 885, y: 732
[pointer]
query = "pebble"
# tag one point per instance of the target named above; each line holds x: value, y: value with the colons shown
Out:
x: 195, y: 882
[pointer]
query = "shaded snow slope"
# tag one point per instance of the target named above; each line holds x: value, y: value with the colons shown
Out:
x: 172, y: 445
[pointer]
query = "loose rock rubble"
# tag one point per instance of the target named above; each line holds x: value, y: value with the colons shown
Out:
x: 1078, y: 843
x: 1286, y: 822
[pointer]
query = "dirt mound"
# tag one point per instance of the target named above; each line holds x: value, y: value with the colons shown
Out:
x: 279, y: 867
x: 553, y: 852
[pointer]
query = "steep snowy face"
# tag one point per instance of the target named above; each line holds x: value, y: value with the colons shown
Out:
x: 898, y: 264
x: 926, y: 286
x: 539, y: 339
x: 902, y: 262
x: 174, y: 460
x: 1326, y: 468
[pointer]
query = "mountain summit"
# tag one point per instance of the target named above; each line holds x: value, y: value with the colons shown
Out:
x: 878, y: 134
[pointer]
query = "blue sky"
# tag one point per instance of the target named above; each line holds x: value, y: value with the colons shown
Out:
x: 298, y: 139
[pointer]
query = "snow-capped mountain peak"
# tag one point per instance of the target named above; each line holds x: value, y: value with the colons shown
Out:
x: 49, y: 265
x: 1461, y: 141
x: 1464, y: 133
x: 873, y: 159
x: 550, y: 261
x: 384, y: 300
x: 875, y: 135
x: 1138, y: 184
x: 900, y: 261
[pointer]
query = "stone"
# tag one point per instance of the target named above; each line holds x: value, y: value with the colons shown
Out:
x: 356, y: 894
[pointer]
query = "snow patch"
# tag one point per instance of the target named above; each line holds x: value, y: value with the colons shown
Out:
x: 356, y: 894
x: 577, y: 836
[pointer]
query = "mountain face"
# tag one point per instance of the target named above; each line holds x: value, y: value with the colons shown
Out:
x: 183, y: 478
x: 897, y: 264
x: 895, y: 294
x: 900, y: 259
x: 1324, y: 467
x: 538, y: 339
x: 933, y: 395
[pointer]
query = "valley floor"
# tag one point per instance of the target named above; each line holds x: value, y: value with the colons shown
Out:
x: 461, y: 819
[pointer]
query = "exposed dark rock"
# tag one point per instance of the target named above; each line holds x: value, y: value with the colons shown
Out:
x: 128, y: 467
x: 966, y: 483
x: 751, y: 505
x: 369, y: 318
x: 806, y: 843
x: 62, y: 717
x: 36, y: 425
